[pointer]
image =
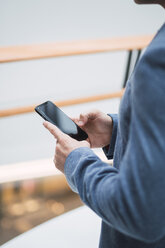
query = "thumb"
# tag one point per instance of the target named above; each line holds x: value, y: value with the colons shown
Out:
x: 83, y: 119
x: 88, y: 115
x: 55, y: 131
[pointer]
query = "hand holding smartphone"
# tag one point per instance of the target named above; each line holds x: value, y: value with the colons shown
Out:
x: 50, y: 112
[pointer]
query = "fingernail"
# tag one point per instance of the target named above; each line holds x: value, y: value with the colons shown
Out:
x: 80, y: 123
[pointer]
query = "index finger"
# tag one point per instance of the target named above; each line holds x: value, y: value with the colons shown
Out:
x: 55, y: 131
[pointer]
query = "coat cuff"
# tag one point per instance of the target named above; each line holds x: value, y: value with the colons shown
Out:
x: 109, y: 150
x: 72, y: 162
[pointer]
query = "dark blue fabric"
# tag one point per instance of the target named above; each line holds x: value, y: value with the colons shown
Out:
x: 129, y: 197
x: 109, y: 150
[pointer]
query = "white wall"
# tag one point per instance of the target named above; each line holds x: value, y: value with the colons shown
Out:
x: 31, y: 82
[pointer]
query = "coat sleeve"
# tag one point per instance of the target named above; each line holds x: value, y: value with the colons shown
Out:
x: 131, y: 200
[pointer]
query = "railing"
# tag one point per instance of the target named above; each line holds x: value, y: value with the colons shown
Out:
x: 59, y: 49
x: 42, y: 51
x: 29, y: 109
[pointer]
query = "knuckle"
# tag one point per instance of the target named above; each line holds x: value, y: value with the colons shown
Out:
x: 57, y: 147
x: 59, y: 140
x: 82, y: 115
x: 52, y: 130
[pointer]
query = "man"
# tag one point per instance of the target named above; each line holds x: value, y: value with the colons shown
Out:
x: 129, y: 197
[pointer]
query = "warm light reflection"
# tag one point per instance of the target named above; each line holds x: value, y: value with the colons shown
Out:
x: 57, y: 208
x: 31, y: 206
x: 16, y: 209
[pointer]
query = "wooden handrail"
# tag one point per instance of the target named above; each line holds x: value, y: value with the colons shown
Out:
x: 59, y: 49
x: 29, y: 109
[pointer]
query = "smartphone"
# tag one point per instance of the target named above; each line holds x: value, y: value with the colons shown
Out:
x: 50, y: 112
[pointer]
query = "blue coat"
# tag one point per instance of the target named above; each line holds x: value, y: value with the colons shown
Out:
x: 130, y: 196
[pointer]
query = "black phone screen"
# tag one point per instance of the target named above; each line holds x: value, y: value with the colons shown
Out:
x: 50, y: 112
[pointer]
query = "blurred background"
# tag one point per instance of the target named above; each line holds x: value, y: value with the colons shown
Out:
x: 31, y: 190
